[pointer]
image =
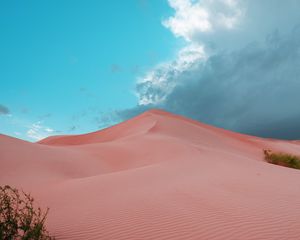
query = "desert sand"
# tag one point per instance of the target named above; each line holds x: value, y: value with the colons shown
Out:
x: 158, y: 176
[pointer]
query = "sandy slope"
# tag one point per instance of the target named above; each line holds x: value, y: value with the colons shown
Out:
x: 158, y: 176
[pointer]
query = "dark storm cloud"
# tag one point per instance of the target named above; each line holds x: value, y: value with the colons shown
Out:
x: 4, y: 110
x: 255, y: 89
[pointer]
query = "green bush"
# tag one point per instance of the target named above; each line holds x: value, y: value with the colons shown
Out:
x: 282, y: 159
x: 18, y: 218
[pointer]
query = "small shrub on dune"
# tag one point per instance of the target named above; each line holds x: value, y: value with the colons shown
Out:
x: 282, y: 159
x: 18, y: 217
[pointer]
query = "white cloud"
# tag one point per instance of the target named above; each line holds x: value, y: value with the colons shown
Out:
x: 49, y: 130
x: 37, y: 131
x: 188, y: 20
x: 192, y: 18
x: 156, y: 84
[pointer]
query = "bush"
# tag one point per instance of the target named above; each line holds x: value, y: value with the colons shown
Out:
x: 19, y: 219
x: 282, y: 159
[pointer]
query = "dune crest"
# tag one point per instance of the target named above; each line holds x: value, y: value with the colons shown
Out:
x: 158, y: 176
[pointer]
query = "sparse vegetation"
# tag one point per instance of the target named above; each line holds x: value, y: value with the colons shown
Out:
x: 282, y: 159
x: 18, y: 217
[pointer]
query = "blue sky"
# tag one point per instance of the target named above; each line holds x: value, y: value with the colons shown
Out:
x: 70, y: 67
x: 60, y: 60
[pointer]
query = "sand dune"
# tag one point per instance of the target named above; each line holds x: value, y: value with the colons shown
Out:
x: 158, y: 176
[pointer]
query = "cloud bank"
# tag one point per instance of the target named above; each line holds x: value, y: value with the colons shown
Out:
x: 239, y: 69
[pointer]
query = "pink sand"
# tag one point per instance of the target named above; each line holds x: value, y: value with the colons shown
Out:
x: 158, y: 176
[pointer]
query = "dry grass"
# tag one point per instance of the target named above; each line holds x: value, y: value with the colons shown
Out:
x: 18, y: 217
x: 282, y: 159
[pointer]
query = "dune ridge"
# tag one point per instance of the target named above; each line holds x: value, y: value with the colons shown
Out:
x: 158, y: 176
